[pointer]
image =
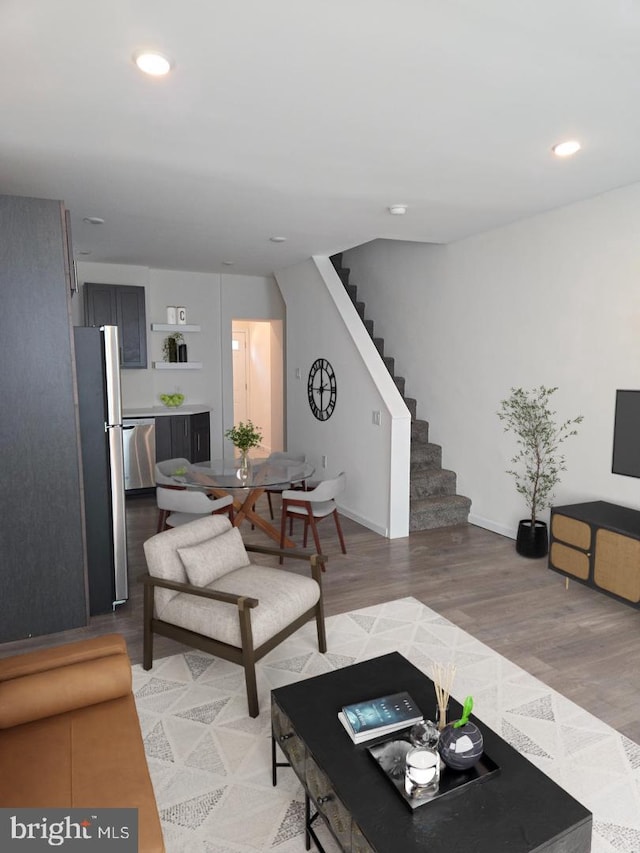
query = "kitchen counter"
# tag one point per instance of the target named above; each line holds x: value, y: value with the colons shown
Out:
x: 158, y: 411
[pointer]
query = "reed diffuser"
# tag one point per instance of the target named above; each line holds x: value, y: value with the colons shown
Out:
x: 443, y: 675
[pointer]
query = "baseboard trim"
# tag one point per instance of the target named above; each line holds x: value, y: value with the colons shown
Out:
x: 365, y: 522
x: 488, y: 524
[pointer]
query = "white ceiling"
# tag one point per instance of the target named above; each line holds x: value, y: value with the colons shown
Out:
x: 308, y: 118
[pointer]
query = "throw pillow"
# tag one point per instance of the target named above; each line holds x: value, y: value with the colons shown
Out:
x: 209, y: 560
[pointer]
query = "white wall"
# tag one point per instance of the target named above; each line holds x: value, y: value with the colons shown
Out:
x: 551, y: 300
x: 322, y: 323
x: 211, y: 301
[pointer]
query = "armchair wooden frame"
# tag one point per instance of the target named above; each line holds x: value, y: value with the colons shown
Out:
x: 247, y: 655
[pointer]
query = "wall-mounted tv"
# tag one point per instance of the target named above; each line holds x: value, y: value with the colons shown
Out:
x: 626, y: 434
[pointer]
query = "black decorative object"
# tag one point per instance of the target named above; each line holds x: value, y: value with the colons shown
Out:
x: 461, y: 748
x: 182, y: 352
x: 322, y: 389
x: 532, y: 539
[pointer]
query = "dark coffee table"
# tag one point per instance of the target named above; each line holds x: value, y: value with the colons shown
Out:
x: 516, y: 810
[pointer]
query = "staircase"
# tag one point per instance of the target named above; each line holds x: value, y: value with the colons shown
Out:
x: 433, y: 499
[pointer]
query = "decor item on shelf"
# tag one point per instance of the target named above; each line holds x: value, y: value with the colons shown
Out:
x: 244, y: 436
x: 539, y: 462
x: 172, y: 400
x: 181, y: 315
x: 182, y: 352
x: 442, y: 676
x: 171, y: 315
x: 170, y: 346
x: 461, y: 743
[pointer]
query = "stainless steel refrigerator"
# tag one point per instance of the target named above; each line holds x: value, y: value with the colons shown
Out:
x: 100, y: 410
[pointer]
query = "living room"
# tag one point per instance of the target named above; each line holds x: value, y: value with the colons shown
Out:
x: 542, y: 291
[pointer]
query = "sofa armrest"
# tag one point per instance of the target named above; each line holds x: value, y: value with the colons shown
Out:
x: 54, y: 681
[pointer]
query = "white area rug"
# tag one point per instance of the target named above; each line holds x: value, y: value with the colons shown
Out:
x: 211, y: 763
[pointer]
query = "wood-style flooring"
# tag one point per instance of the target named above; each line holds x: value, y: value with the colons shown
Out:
x: 583, y: 644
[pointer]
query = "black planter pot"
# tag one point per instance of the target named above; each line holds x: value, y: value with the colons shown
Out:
x: 532, y: 541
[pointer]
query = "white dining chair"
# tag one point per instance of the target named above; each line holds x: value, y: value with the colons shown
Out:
x: 166, y: 469
x: 180, y: 506
x: 278, y: 488
x: 312, y: 506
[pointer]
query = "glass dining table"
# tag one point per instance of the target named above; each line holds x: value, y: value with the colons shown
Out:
x: 226, y: 477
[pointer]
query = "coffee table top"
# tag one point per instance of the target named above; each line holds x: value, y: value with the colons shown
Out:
x: 519, y: 809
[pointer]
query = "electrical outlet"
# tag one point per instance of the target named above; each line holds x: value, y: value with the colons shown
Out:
x: 375, y: 418
x: 324, y: 461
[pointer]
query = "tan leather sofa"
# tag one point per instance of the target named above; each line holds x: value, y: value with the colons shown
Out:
x: 70, y: 735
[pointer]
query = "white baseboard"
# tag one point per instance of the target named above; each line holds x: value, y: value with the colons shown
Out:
x: 365, y: 522
x: 502, y: 529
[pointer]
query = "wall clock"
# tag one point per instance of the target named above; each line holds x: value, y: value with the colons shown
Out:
x: 321, y: 389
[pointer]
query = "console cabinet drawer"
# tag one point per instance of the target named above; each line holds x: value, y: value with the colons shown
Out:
x: 328, y: 804
x: 288, y: 741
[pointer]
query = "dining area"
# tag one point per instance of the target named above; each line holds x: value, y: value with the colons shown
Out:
x: 187, y: 491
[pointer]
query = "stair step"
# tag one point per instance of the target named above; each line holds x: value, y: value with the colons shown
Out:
x: 352, y: 290
x: 379, y: 345
x: 419, y: 431
x: 368, y: 324
x: 438, y: 511
x: 432, y: 481
x: 344, y: 273
x: 425, y: 455
x: 360, y: 309
x: 400, y: 381
x: 336, y: 260
x: 389, y: 363
x: 412, y: 405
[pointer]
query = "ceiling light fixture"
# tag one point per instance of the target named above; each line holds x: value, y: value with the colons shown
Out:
x: 93, y: 220
x: 153, y: 63
x: 566, y: 149
x: 227, y: 263
x: 278, y: 239
x: 398, y: 209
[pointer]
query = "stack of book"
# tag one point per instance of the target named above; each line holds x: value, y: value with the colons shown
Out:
x: 381, y: 716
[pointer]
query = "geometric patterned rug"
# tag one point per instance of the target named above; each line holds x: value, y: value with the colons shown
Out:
x: 211, y: 763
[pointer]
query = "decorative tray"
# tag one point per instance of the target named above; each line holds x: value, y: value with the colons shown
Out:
x: 389, y: 755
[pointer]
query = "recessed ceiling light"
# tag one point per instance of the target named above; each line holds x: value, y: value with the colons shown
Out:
x: 84, y: 252
x: 152, y: 63
x: 227, y: 263
x: 566, y: 149
x: 94, y: 220
x: 278, y: 239
x: 398, y: 209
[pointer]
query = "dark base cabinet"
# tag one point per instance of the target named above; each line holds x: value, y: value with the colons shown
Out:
x: 598, y: 544
x: 183, y: 437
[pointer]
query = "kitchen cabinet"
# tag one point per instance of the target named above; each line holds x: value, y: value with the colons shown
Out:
x: 43, y: 578
x: 184, y: 437
x: 120, y: 305
x: 598, y: 544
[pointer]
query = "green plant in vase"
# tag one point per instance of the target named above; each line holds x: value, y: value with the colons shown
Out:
x: 244, y: 436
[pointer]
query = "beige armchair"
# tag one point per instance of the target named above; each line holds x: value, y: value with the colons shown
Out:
x: 203, y: 591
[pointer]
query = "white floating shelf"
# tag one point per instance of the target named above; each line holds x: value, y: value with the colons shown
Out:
x: 177, y: 365
x: 165, y: 327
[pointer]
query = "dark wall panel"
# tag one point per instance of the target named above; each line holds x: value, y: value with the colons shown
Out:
x: 42, y: 572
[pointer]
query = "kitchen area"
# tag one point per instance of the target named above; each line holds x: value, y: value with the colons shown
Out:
x: 60, y: 519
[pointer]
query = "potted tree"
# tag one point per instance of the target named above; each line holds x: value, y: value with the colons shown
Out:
x: 538, y: 462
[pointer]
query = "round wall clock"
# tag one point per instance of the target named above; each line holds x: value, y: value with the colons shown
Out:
x: 321, y: 389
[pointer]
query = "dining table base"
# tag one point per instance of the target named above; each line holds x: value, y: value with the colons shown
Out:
x: 246, y: 510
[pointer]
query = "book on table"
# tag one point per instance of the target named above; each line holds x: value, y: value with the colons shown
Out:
x: 376, y: 717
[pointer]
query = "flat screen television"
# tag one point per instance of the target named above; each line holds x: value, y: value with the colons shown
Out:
x: 626, y: 434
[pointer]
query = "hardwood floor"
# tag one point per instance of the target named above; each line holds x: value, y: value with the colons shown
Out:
x: 581, y: 643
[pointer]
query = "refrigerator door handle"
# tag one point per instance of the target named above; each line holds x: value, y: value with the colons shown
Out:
x: 116, y: 453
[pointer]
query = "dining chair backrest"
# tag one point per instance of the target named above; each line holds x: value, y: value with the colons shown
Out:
x: 326, y: 490
x: 184, y: 500
x: 167, y: 467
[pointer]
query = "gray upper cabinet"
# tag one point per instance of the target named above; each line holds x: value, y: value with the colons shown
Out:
x: 120, y: 305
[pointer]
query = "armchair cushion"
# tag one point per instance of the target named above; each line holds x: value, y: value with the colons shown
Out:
x: 283, y: 597
x: 162, y: 554
x: 209, y: 560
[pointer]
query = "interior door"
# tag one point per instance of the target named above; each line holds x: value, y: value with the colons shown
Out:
x: 240, y: 375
